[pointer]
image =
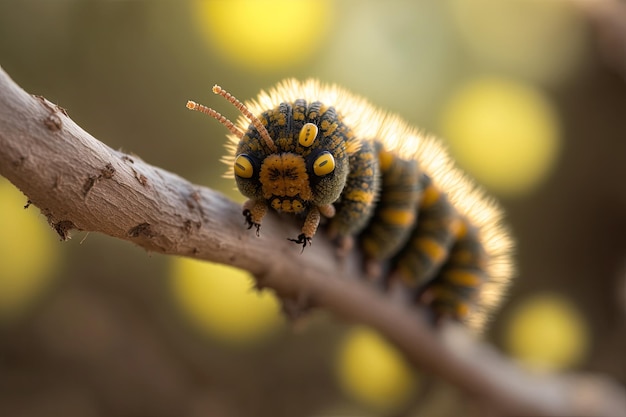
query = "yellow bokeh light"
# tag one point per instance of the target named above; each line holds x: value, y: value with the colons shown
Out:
x: 28, y: 253
x: 373, y: 372
x: 220, y: 301
x: 264, y: 34
x: 547, y: 332
x: 539, y: 39
x: 504, y: 133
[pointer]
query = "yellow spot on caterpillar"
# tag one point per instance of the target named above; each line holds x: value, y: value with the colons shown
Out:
x: 464, y: 278
x: 298, y: 115
x: 431, y: 248
x: 324, y: 164
x: 330, y: 130
x: 398, y: 217
x: 430, y: 197
x: 297, y: 206
x: 460, y: 228
x: 288, y: 206
x: 386, y: 159
x: 243, y: 167
x: 307, y: 135
x: 462, y: 310
x: 360, y: 195
x: 352, y: 146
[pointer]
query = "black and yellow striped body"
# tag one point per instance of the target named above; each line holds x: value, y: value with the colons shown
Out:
x: 424, y: 243
x: 391, y: 208
x: 318, y: 152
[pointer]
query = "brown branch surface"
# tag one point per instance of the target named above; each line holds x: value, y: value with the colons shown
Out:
x: 80, y: 183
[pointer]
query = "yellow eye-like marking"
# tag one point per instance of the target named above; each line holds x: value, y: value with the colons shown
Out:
x: 243, y: 166
x: 324, y: 164
x: 307, y: 136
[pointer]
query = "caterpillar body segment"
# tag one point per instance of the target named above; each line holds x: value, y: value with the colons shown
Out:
x: 361, y: 189
x: 396, y: 207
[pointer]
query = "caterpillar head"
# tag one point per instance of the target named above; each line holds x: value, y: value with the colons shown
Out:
x: 292, y: 158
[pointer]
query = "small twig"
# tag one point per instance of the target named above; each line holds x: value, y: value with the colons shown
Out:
x: 80, y: 183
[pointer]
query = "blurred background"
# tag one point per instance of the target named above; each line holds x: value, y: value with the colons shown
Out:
x: 529, y: 95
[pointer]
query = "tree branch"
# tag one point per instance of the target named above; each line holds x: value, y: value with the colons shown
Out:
x: 80, y: 183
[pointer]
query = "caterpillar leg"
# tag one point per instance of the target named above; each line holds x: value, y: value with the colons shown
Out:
x: 254, y: 211
x: 312, y: 222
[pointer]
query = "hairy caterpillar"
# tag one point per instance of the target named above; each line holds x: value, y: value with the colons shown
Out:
x: 317, y: 150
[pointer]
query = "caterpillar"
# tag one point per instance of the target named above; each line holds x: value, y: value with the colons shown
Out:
x: 320, y: 152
